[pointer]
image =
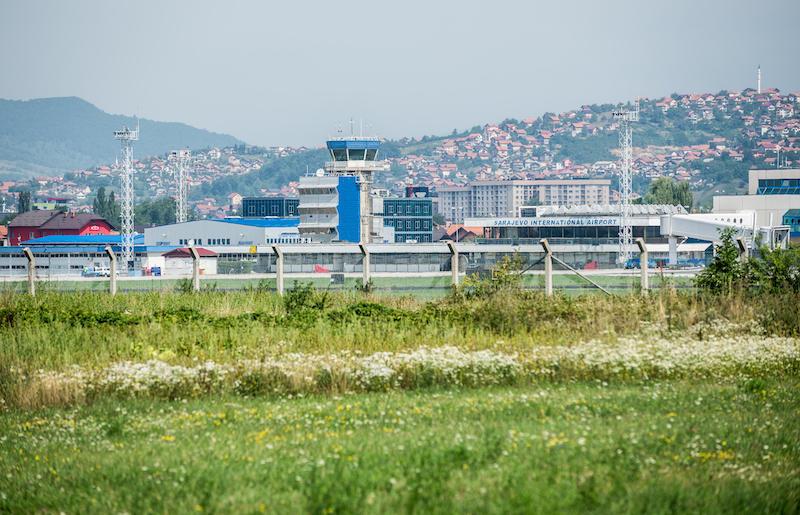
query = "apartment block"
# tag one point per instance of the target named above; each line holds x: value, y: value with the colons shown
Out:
x: 506, y: 198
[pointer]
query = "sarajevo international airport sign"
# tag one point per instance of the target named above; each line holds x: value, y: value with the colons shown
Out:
x: 578, y: 221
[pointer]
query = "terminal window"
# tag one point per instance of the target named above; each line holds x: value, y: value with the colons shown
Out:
x: 778, y: 187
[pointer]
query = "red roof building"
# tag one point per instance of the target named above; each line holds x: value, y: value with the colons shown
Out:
x: 47, y: 222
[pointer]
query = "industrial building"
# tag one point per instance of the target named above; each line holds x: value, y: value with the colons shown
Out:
x: 225, y: 232
x: 38, y: 223
x: 774, y: 195
x: 506, y: 198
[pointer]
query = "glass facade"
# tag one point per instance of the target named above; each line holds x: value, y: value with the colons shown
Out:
x: 792, y: 219
x: 260, y: 207
x: 778, y: 187
x: 587, y: 235
x: 412, y: 219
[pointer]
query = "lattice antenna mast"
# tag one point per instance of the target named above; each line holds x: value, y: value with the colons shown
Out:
x: 181, y: 160
x: 126, y: 138
x: 626, y: 117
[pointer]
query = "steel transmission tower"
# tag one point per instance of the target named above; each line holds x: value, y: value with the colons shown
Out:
x: 181, y: 159
x: 626, y: 118
x: 126, y: 138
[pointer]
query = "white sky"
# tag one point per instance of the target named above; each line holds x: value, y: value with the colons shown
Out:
x: 275, y: 73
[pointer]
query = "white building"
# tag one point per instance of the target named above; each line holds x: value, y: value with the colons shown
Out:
x: 506, y: 198
x: 179, y: 263
x: 774, y: 195
x: 224, y: 232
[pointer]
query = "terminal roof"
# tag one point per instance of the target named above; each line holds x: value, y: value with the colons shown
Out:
x: 610, y: 209
x: 354, y: 143
x: 261, y: 222
x: 89, y: 239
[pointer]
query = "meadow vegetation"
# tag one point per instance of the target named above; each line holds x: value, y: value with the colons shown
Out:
x: 493, y: 399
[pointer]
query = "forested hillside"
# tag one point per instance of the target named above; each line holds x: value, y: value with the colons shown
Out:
x: 59, y: 134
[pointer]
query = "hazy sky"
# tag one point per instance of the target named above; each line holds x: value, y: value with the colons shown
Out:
x: 292, y: 72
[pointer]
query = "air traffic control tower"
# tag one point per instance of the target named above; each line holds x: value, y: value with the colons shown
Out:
x: 335, y: 205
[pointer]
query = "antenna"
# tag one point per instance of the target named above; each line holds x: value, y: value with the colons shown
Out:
x: 351, y: 127
x: 126, y: 138
x: 626, y: 118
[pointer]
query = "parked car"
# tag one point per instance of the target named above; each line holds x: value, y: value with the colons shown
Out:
x: 97, y: 271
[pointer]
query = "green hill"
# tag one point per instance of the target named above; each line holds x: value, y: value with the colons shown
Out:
x: 49, y: 135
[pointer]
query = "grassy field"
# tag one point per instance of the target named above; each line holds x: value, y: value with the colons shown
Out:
x: 706, y: 447
x: 487, y: 400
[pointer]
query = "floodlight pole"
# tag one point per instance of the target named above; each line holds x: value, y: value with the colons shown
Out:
x: 112, y: 269
x: 31, y: 271
x: 548, y: 267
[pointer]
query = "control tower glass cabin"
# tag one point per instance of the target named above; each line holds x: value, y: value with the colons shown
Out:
x: 358, y: 157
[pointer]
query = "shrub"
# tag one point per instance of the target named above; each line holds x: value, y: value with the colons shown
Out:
x: 725, y: 273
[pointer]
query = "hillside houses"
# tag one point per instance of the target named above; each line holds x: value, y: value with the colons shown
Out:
x: 737, y: 126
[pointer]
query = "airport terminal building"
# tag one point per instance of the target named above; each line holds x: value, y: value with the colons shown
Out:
x: 588, y: 236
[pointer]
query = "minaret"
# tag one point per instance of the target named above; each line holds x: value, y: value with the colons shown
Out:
x: 759, y: 79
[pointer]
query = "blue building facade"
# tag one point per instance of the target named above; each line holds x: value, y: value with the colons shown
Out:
x: 261, y: 207
x: 348, y: 209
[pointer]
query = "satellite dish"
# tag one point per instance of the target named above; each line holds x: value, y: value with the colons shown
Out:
x: 320, y: 172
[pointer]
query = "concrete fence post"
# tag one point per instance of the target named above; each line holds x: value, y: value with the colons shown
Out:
x: 365, y: 263
x: 453, y: 261
x: 31, y: 271
x: 195, y: 268
x: 112, y: 270
x: 548, y: 267
x: 643, y: 264
x: 278, y: 269
x: 742, y: 247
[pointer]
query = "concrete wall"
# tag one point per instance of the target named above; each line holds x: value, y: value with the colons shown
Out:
x: 763, y: 205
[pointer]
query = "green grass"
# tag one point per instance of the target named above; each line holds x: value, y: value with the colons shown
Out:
x: 702, y: 447
x: 56, y: 330
x: 585, y: 435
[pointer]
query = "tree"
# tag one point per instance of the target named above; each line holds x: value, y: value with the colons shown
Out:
x: 24, y: 202
x: 155, y: 212
x: 725, y: 273
x: 665, y: 190
x: 106, y: 206
x: 98, y: 206
x: 112, y: 210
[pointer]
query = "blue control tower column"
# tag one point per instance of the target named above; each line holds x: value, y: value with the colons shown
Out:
x: 357, y: 157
